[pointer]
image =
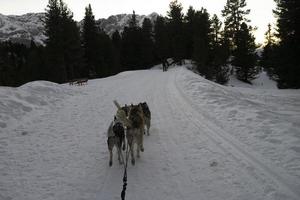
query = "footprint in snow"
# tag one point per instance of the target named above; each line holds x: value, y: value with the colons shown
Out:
x: 213, y: 164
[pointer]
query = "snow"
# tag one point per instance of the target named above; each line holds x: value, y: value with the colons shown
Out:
x: 22, y: 28
x: 206, y: 141
x: 118, y: 22
x: 261, y: 82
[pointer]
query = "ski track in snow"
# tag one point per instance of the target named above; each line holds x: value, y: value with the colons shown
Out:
x: 191, y: 153
x: 254, y: 163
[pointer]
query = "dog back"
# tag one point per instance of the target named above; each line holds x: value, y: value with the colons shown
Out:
x: 116, y: 134
x: 118, y: 129
x: 126, y: 109
x: 136, y: 116
x: 146, y: 110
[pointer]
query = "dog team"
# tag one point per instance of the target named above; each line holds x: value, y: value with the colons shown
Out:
x: 129, y: 122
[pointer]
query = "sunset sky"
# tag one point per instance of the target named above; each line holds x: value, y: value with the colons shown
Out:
x: 260, y: 15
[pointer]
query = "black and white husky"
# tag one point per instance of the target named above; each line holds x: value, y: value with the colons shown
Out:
x: 147, y: 115
x: 116, y: 137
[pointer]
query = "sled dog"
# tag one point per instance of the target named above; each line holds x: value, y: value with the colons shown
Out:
x: 147, y: 115
x: 135, y: 127
x: 135, y: 132
x: 82, y: 81
x: 116, y: 137
x: 126, y: 109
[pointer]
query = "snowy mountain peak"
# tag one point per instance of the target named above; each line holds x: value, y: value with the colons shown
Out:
x: 22, y: 28
x: 118, y: 22
x: 30, y: 26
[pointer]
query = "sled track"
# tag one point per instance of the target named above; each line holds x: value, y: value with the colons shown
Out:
x: 183, y: 187
x: 235, y: 148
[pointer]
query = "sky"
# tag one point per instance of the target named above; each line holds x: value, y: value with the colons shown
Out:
x: 260, y: 15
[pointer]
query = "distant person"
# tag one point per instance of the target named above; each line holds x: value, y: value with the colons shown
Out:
x: 165, y: 65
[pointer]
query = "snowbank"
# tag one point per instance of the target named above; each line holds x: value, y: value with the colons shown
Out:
x: 266, y: 120
x: 15, y: 103
x: 207, y: 141
x: 261, y: 82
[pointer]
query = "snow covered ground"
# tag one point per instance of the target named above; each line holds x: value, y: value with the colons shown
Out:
x: 261, y: 82
x: 207, y: 141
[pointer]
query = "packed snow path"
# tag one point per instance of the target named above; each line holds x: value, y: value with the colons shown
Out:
x: 206, y: 142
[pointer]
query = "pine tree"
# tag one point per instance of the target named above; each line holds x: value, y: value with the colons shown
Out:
x: 219, y: 52
x: 268, y: 54
x: 52, y: 23
x: 34, y: 69
x: 287, y: 53
x: 235, y: 14
x: 55, y: 67
x: 89, y: 37
x: 189, y: 31
x: 131, y: 46
x: 63, y: 49
x: 176, y: 33
x: 269, y: 36
x: 58, y: 61
x: 202, y: 40
x: 98, y: 47
x: 13, y: 59
x: 7, y: 64
x: 73, y: 53
x: 3, y: 67
x: 161, y: 39
x: 116, y: 42
x: 244, y: 55
x: 132, y: 21
x: 216, y: 29
x: 2, y: 64
x: 104, y: 66
x: 147, y: 54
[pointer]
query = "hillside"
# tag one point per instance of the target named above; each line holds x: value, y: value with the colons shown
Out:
x: 24, y: 28
x: 206, y: 141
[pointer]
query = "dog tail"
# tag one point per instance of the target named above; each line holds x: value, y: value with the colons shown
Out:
x: 121, y: 115
x: 117, y: 104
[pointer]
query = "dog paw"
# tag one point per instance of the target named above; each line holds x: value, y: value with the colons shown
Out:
x: 110, y: 163
x: 142, y: 149
x: 133, y: 162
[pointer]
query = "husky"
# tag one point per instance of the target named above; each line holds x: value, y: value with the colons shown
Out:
x: 135, y: 132
x: 82, y: 81
x: 147, y: 115
x: 116, y: 137
x: 126, y: 109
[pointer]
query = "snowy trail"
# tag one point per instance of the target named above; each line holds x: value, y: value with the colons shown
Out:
x: 259, y: 168
x: 61, y: 153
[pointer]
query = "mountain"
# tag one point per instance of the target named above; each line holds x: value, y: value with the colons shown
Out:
x: 118, y: 22
x: 24, y: 28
